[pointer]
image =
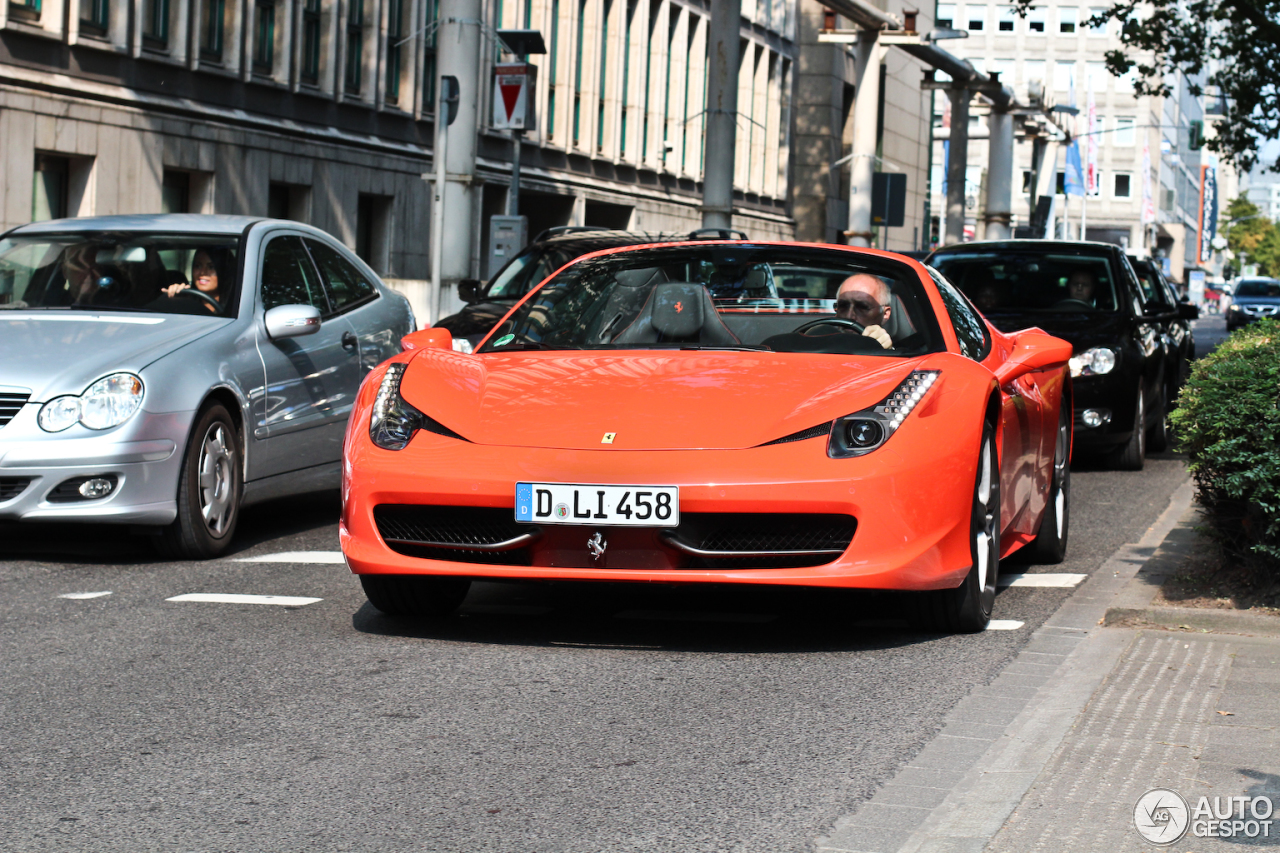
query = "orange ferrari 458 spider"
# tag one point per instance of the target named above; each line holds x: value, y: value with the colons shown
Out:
x: 716, y: 412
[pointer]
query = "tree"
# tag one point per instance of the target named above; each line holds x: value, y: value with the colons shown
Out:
x: 1231, y: 46
x: 1252, y: 237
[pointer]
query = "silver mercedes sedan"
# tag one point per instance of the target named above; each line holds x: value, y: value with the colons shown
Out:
x: 167, y: 371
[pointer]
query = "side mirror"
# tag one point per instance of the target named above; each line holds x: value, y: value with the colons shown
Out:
x: 292, y: 321
x: 1153, y: 307
x: 1187, y: 311
x: 1033, y: 350
x: 427, y: 339
x: 469, y: 290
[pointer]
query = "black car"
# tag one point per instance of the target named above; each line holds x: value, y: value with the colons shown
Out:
x: 1160, y: 299
x: 488, y: 302
x: 1089, y: 294
x: 1254, y: 298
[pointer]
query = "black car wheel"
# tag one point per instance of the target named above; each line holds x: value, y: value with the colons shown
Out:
x: 415, y: 596
x: 1133, y: 455
x: 967, y: 608
x: 1050, y: 544
x: 208, y: 490
x: 1158, y: 432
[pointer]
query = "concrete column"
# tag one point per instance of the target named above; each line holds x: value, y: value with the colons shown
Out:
x: 722, y: 113
x: 866, y: 109
x: 460, y: 49
x: 999, y: 215
x: 957, y: 165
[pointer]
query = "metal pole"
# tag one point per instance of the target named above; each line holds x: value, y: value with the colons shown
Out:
x: 957, y: 166
x: 437, y: 221
x: 513, y: 194
x: 866, y: 109
x: 722, y: 113
x: 999, y: 216
x: 461, y: 53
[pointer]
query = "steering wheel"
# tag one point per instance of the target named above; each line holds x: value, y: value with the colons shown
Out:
x: 1069, y: 304
x: 838, y: 322
x: 191, y: 291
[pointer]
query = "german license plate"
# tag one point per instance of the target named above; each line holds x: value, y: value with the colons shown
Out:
x: 618, y: 506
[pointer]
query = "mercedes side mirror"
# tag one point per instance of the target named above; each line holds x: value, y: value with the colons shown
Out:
x: 1187, y: 311
x: 469, y: 290
x: 292, y: 321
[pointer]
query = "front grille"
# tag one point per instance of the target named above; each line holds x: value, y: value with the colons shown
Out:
x: 10, y: 403
x: 444, y: 532
x: 491, y: 536
x: 11, y: 487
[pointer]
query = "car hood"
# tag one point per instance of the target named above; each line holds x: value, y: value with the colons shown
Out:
x: 651, y: 401
x: 1083, y: 329
x: 61, y: 352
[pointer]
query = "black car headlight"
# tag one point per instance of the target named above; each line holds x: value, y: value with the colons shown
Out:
x: 1093, y: 362
x: 862, y: 432
x: 394, y: 421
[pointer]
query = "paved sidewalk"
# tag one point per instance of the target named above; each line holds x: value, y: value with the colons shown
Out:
x: 1055, y: 753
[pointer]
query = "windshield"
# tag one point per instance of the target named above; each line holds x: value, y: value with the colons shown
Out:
x: 523, y: 272
x: 726, y: 297
x: 1258, y: 287
x: 1019, y: 281
x: 121, y: 271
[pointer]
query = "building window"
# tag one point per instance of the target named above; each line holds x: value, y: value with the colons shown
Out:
x: 604, y: 73
x: 1098, y: 29
x: 1036, y: 19
x: 395, y: 29
x: 577, y: 72
x: 49, y: 190
x: 96, y: 16
x: 373, y: 221
x: 626, y: 72
x: 1064, y: 74
x: 976, y: 18
x: 946, y: 16
x: 1125, y: 136
x: 429, y: 58
x: 555, y: 63
x: 212, y: 14
x: 311, y: 41
x: 155, y: 22
x: 264, y: 36
x: 175, y: 192
x: 1005, y: 18
x: 1121, y: 183
x: 355, y: 47
x: 27, y: 10
x: 1067, y: 19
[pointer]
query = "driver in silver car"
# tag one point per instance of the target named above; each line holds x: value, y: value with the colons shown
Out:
x: 866, y: 300
x: 205, y: 269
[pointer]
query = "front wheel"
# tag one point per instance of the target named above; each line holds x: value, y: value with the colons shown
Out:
x: 1050, y: 544
x: 967, y: 608
x: 415, y: 596
x: 208, y: 490
x: 1158, y: 434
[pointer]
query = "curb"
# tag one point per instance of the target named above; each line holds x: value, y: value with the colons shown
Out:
x: 1132, y: 606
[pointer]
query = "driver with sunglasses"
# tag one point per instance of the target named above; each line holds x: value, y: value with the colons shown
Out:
x: 865, y: 299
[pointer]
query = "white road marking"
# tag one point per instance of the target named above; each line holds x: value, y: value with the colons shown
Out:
x: 1062, y: 580
x: 82, y: 596
x: 233, y: 598
x: 1004, y: 625
x: 327, y: 557
x: 683, y: 616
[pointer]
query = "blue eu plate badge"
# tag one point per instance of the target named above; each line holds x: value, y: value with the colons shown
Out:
x: 524, y: 502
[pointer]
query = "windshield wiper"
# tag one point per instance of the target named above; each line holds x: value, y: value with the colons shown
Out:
x: 731, y: 348
x: 81, y: 307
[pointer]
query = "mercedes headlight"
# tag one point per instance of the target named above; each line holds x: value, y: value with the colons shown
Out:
x: 107, y: 403
x: 1093, y: 362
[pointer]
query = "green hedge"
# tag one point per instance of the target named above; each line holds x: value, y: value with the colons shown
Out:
x: 1228, y: 421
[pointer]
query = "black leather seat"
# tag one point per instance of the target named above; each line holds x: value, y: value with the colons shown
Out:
x: 678, y: 312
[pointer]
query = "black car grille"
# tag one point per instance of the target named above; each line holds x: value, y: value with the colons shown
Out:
x: 445, y: 532
x: 10, y: 404
x: 702, y: 541
x: 11, y: 487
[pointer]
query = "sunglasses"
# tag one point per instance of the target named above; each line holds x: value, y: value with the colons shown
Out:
x: 865, y: 307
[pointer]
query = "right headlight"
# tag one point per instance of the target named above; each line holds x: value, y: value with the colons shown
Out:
x: 862, y: 432
x: 107, y: 403
x: 1093, y: 362
x: 393, y: 420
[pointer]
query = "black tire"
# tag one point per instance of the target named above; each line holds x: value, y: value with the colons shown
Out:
x: 209, y: 490
x: 415, y: 596
x: 967, y: 608
x: 1050, y: 544
x: 1158, y: 433
x: 1133, y: 455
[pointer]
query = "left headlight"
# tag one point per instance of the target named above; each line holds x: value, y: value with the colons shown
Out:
x: 393, y: 421
x: 1093, y: 362
x: 107, y: 403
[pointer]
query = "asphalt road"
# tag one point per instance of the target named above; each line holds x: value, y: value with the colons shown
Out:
x: 544, y: 718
